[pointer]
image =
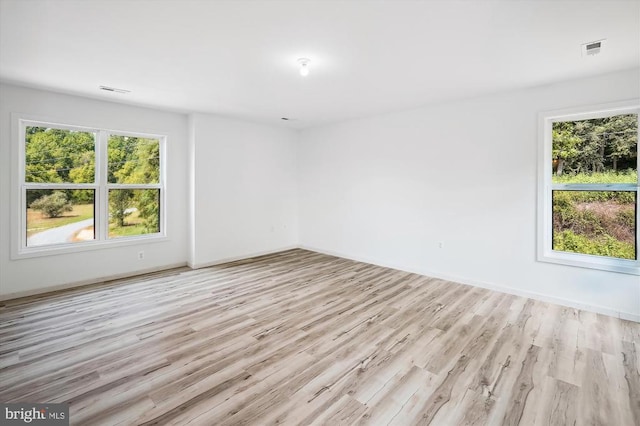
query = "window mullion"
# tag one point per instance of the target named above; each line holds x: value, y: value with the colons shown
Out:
x: 23, y: 218
x: 631, y: 187
x: 134, y: 186
x: 638, y: 187
x: 32, y: 185
x: 101, y: 206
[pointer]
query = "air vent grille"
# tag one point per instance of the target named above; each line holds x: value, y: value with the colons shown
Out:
x: 593, y: 48
x: 114, y: 89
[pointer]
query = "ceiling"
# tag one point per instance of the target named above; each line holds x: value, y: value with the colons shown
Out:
x: 238, y: 58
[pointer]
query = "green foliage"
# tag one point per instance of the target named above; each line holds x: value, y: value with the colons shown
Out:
x: 127, y: 231
x: 59, y: 156
x: 595, y: 145
x: 52, y: 205
x: 65, y: 156
x: 565, y: 142
x: 120, y: 203
x: 621, y: 176
x: 135, y: 161
x: 595, y: 222
x: 565, y: 145
x: 150, y: 210
x: 619, y: 197
x: 604, y: 246
x: 56, y: 155
x: 626, y: 218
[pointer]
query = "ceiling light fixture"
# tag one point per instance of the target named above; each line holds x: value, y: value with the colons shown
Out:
x: 304, y: 66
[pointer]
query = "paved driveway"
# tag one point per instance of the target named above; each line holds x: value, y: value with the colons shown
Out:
x: 62, y: 234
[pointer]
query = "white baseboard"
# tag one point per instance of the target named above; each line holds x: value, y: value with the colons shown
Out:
x: 241, y: 257
x: 462, y: 280
x: 51, y: 289
x: 490, y: 286
x: 82, y: 283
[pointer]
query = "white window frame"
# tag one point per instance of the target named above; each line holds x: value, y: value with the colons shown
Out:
x: 100, y: 186
x: 545, y: 250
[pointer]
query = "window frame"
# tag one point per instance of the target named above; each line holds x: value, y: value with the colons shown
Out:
x: 545, y: 252
x: 100, y: 186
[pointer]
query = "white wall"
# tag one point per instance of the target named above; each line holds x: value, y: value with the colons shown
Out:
x: 231, y: 191
x: 41, y: 273
x: 384, y: 189
x: 244, y: 193
x: 387, y: 189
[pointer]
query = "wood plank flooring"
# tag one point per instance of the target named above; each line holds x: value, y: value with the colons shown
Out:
x: 304, y: 338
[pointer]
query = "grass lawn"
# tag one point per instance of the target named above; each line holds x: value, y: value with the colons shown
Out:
x: 132, y: 226
x: 127, y: 230
x: 37, y: 222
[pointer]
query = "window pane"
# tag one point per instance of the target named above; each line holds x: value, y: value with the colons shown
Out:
x: 602, y: 223
x: 59, y: 216
x: 57, y: 155
x: 600, y: 150
x: 133, y: 212
x: 133, y: 160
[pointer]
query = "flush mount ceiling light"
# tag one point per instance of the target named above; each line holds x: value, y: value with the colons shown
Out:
x: 304, y: 66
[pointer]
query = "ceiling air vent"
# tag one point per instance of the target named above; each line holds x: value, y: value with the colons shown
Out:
x: 593, y: 48
x: 114, y: 89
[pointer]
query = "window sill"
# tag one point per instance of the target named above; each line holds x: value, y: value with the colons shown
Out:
x: 70, y: 248
x: 622, y: 266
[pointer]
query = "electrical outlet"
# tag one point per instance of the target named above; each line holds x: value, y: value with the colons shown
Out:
x: 140, y: 255
x: 440, y: 244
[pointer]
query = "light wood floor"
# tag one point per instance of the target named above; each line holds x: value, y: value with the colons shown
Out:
x: 304, y: 338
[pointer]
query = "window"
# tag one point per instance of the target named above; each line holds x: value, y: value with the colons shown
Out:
x: 588, y: 199
x: 82, y: 188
